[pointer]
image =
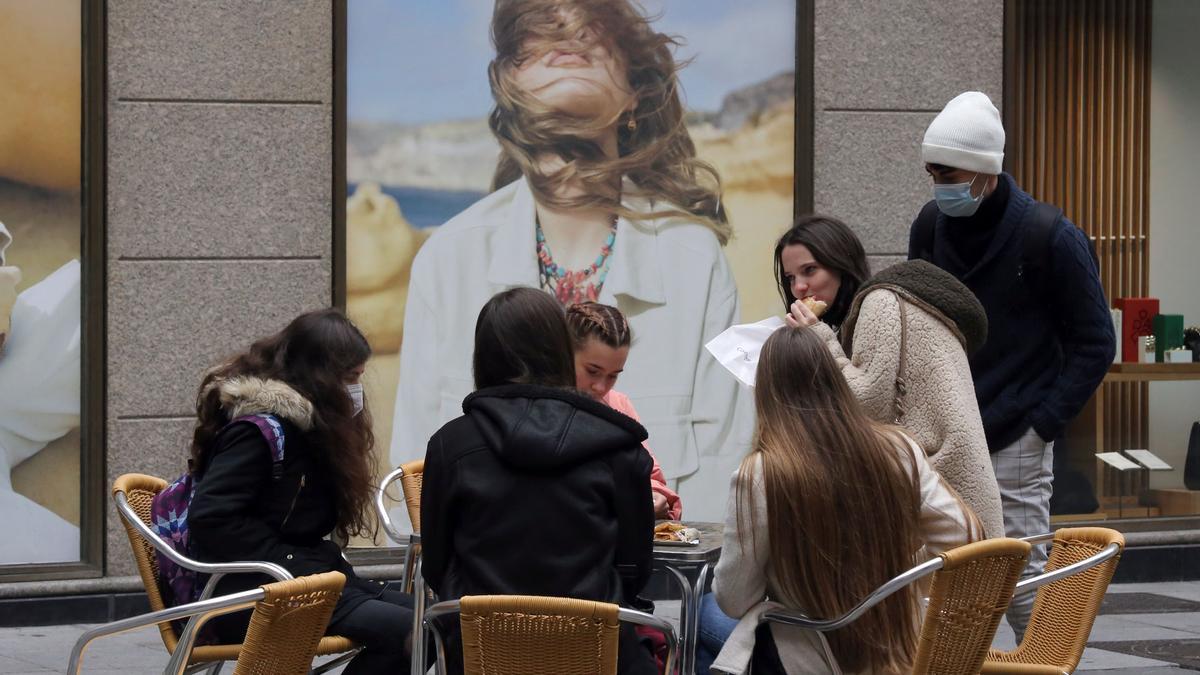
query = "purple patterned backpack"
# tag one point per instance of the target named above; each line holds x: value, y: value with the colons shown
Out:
x: 169, y: 511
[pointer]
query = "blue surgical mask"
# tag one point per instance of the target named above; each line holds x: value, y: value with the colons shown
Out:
x: 356, y: 395
x: 955, y: 199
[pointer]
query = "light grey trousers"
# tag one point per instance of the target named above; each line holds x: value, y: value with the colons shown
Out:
x: 1025, y: 473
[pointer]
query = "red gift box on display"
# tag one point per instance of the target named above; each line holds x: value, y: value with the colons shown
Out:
x: 1137, y: 318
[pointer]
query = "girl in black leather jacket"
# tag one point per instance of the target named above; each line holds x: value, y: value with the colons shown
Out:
x: 537, y: 489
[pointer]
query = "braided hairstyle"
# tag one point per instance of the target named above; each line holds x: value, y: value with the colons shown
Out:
x: 603, y: 322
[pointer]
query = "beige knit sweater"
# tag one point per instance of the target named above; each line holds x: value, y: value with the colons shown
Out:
x: 941, y: 413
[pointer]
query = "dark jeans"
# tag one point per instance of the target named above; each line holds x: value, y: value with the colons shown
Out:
x: 383, y: 627
x: 766, y: 656
x: 633, y: 656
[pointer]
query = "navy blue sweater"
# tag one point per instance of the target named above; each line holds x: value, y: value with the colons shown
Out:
x: 1048, y: 348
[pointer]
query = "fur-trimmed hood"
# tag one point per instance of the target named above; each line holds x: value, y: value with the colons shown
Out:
x: 245, y: 395
x: 934, y: 290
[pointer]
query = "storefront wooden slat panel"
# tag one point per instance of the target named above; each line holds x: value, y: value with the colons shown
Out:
x: 1077, y: 107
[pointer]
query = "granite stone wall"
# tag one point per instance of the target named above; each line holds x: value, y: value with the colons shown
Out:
x: 882, y: 71
x: 220, y: 184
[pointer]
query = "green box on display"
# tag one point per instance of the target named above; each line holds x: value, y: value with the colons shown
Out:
x: 1168, y: 334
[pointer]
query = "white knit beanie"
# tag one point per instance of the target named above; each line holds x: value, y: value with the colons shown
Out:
x: 967, y: 134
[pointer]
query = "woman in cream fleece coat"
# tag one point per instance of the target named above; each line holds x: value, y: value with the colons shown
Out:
x: 941, y: 322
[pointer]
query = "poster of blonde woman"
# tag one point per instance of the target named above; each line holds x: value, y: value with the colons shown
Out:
x: 635, y: 154
x: 40, y: 215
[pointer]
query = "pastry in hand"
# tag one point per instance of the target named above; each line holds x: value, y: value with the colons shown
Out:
x: 817, y: 307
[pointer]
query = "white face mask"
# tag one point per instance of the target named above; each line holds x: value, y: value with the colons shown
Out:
x: 356, y: 395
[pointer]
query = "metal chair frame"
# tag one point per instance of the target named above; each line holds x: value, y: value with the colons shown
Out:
x: 199, y: 612
x: 178, y: 663
x: 877, y: 596
x: 902, y: 580
x: 626, y: 615
x: 411, y: 542
x: 411, y: 569
x: 929, y: 567
x: 1033, y: 583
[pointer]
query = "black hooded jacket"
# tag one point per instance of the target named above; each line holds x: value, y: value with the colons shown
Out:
x: 537, y: 491
x: 246, y: 508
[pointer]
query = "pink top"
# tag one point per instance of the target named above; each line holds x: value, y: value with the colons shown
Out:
x: 658, y: 482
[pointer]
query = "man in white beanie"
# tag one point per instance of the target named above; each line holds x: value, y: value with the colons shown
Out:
x: 1050, y: 335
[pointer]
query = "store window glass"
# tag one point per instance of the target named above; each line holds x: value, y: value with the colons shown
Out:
x: 42, y: 215
x: 1100, y: 102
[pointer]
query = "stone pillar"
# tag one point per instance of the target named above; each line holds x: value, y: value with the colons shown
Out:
x: 882, y: 71
x: 220, y: 184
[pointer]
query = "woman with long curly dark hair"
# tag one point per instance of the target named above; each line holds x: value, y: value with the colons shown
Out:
x: 282, y: 457
x: 598, y: 196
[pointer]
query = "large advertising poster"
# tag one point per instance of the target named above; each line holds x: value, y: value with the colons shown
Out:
x: 40, y: 216
x: 425, y: 125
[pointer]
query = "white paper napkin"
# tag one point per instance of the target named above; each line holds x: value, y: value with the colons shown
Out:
x: 737, y: 348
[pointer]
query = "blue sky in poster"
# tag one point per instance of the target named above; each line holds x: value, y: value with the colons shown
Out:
x: 416, y: 61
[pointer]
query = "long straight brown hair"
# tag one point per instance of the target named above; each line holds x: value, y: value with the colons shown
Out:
x: 658, y: 155
x: 843, y: 501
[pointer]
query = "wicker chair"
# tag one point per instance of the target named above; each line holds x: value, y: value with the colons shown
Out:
x: 972, y: 586
x: 410, y: 476
x: 286, y: 626
x: 536, y: 635
x: 968, y: 597
x: 132, y: 494
x: 1069, y: 594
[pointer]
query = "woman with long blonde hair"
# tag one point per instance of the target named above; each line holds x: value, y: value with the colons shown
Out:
x: 828, y: 505
x: 598, y: 196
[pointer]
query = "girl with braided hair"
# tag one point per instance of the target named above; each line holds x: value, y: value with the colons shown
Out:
x: 601, y: 338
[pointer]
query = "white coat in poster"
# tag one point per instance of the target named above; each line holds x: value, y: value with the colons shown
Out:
x: 39, y: 402
x: 685, y: 138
